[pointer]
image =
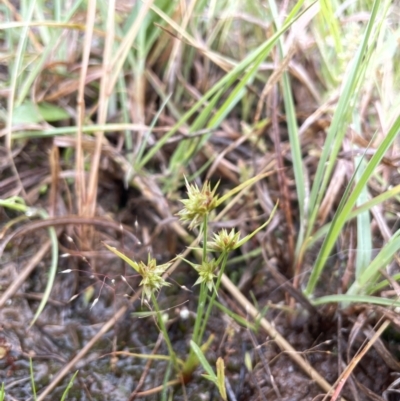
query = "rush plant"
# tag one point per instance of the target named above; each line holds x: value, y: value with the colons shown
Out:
x: 212, y: 258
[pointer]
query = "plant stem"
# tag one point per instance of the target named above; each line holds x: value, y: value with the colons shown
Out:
x: 203, y: 287
x: 192, y: 360
x: 205, y: 233
x: 200, y: 312
x: 164, y: 331
x: 214, y: 294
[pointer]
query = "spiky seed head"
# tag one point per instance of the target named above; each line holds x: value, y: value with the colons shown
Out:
x: 199, y: 203
x: 224, y: 241
x: 207, y: 273
x: 151, y: 273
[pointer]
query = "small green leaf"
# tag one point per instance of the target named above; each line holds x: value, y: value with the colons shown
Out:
x: 238, y: 319
x: 2, y: 392
x: 202, y: 359
x: 50, y: 112
x: 251, y: 235
x: 143, y: 314
x: 26, y: 113
x: 122, y: 256
x: 31, y: 113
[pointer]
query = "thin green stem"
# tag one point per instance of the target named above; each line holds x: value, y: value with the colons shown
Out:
x: 200, y: 311
x: 213, y: 296
x: 32, y: 379
x: 164, y: 331
x: 203, y: 287
x: 192, y: 360
x: 205, y: 233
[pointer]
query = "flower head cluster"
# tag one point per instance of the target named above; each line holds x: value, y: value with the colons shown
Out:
x: 151, y: 272
x: 151, y: 275
x: 224, y: 241
x: 206, y: 273
x: 199, y: 203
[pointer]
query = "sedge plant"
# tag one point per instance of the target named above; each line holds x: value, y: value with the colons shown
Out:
x: 197, y: 212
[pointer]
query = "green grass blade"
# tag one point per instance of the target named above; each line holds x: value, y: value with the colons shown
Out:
x: 167, y: 375
x: 339, y: 122
x: 37, y: 66
x: 346, y: 299
x: 365, y: 207
x: 331, y: 148
x: 17, y: 67
x: 186, y: 148
x: 182, y: 155
x: 70, y: 384
x: 237, y: 318
x: 230, y: 77
x: 382, y: 284
x: 32, y: 376
x: 342, y: 215
x: 17, y: 203
x: 203, y: 361
x: 130, y: 262
x: 139, y: 163
x: 364, y: 238
x: 2, y: 392
x: 293, y: 132
x: 52, y: 274
x: 235, y: 96
x: 88, y: 129
x: 333, y: 27
x: 371, y: 273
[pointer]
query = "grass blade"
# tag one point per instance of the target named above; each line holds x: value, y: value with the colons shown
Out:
x: 370, y: 274
x: 338, y: 125
x: 70, y: 384
x: 342, y: 215
x: 331, y: 148
x: 203, y: 361
x: 227, y: 80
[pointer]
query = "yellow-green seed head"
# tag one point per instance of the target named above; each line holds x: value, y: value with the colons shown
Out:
x: 198, y: 204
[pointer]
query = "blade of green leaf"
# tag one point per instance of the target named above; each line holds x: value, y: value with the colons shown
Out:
x: 336, y: 131
x: 203, y: 361
x: 52, y: 272
x: 364, y: 238
x: 38, y: 65
x: 70, y: 384
x: 366, y: 299
x: 237, y: 318
x: 371, y: 273
x: 390, y: 193
x: 226, y: 80
x: 122, y: 256
x: 342, y: 215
